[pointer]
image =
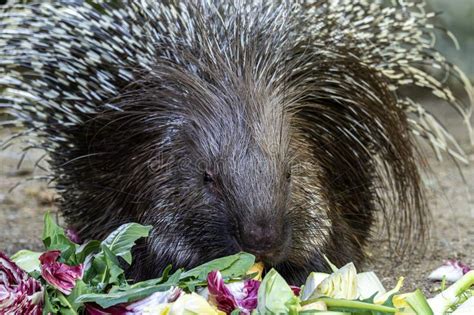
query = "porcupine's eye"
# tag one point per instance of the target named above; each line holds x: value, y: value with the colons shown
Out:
x: 207, y: 178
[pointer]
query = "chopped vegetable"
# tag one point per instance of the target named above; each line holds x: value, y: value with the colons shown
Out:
x: 314, y: 279
x: 451, y: 270
x: 192, y: 304
x: 59, y: 275
x: 342, y: 284
x: 72, y: 278
x: 19, y: 292
x: 449, y: 297
x: 275, y: 296
x: 240, y: 295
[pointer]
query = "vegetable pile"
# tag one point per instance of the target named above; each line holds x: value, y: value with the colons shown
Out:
x: 89, y: 278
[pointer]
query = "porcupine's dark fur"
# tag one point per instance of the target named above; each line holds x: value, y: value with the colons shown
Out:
x: 209, y: 119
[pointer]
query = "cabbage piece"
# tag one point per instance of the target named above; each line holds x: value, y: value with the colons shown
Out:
x: 369, y: 284
x: 465, y: 308
x: 412, y: 303
x: 342, y: 284
x: 313, y: 280
x: 192, y: 304
x: 444, y: 300
x: 452, y: 271
x: 275, y: 296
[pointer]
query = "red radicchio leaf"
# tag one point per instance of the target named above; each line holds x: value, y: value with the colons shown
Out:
x: 73, y: 236
x: 242, y: 296
x: 94, y: 309
x: 19, y: 293
x: 452, y: 270
x: 61, y: 276
x: 218, y: 292
x: 296, y: 290
x: 250, y: 301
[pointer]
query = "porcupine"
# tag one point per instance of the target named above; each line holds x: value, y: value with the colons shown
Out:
x: 277, y: 128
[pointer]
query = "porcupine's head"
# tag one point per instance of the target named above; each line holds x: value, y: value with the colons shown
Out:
x: 270, y: 128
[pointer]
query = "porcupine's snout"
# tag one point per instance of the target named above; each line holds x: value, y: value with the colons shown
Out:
x: 267, y: 241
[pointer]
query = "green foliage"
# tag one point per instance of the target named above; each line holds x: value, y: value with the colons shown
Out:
x: 230, y: 266
x: 104, y: 281
x: 121, y: 241
x: 123, y: 295
x: 54, y: 238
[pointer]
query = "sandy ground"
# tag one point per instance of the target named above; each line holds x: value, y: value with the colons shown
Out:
x: 452, y: 231
x: 450, y: 194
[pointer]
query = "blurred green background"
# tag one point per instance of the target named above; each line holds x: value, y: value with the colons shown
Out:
x: 458, y: 17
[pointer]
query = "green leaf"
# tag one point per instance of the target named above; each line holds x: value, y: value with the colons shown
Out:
x: 326, y: 313
x: 418, y: 303
x: 86, y: 249
x: 275, y: 295
x: 55, y: 238
x: 115, y: 273
x: 121, y: 241
x: 65, y: 307
x: 56, y: 302
x: 172, y: 280
x: 120, y: 296
x: 230, y: 266
x: 49, y: 307
x: 79, y: 289
x: 352, y: 306
x: 53, y: 234
x: 105, y: 269
x: 146, y: 283
x: 330, y: 264
x: 293, y: 305
x: 35, y: 274
x: 27, y: 260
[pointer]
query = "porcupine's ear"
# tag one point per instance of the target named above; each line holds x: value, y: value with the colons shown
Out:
x: 357, y: 115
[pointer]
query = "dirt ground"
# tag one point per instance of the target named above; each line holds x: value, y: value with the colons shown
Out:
x: 452, y: 231
x: 450, y: 194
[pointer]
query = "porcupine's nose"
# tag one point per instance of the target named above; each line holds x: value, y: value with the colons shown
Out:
x: 262, y: 239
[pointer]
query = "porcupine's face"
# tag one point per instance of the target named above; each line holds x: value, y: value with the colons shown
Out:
x: 236, y: 179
